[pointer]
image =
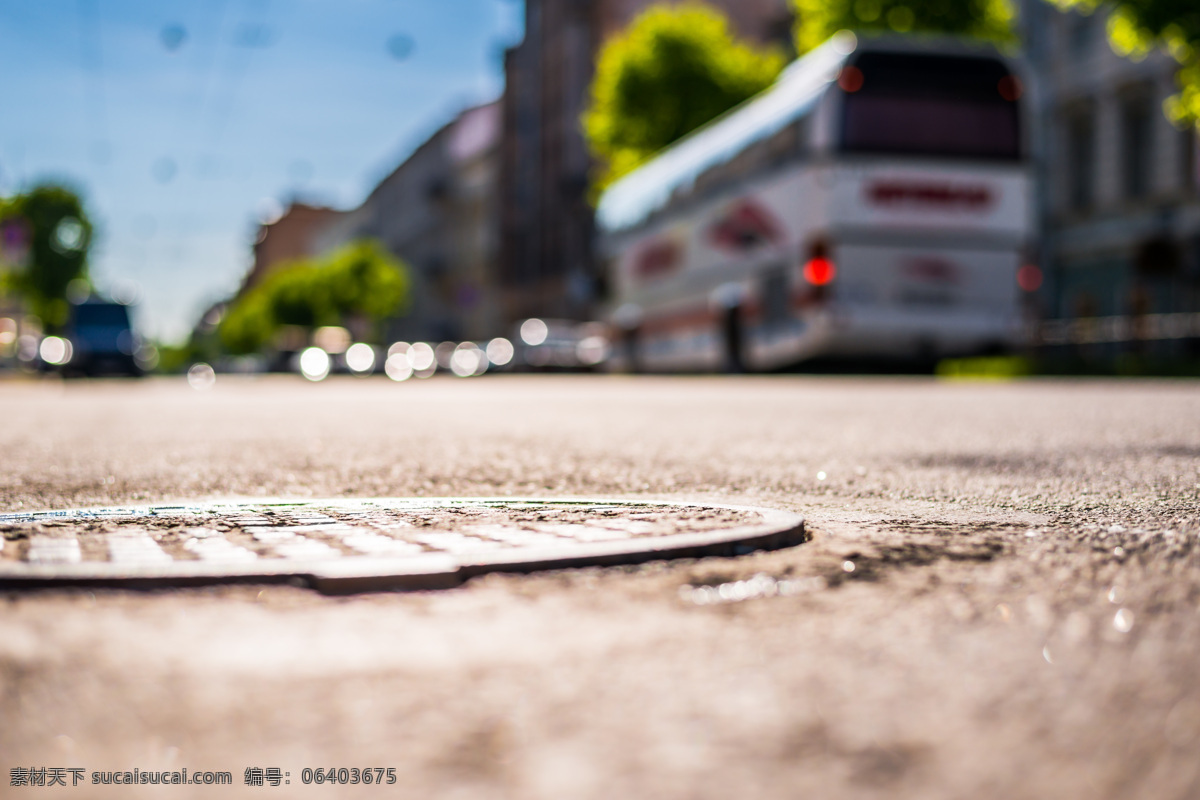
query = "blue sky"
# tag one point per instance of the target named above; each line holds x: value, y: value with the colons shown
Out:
x: 183, y: 122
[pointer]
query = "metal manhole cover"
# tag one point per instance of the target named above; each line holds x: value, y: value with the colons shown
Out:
x: 345, y: 545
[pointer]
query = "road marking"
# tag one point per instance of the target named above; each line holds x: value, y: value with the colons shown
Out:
x: 135, y: 547
x: 51, y: 550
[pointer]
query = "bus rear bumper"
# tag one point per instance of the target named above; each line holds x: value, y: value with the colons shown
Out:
x: 903, y: 333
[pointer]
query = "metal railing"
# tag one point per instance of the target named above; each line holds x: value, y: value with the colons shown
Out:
x: 1101, y: 330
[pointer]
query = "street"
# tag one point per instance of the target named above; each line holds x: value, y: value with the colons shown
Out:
x: 1000, y: 594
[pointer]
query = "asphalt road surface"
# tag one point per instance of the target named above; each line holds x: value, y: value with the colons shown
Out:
x: 1000, y: 597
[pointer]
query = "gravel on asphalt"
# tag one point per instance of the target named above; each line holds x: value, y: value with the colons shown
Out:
x: 1000, y: 598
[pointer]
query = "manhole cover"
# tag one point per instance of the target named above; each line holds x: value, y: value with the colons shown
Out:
x: 362, y: 545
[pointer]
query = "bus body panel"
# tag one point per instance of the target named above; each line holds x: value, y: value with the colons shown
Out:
x: 913, y: 278
x: 925, y: 299
x: 932, y: 198
x: 924, y: 250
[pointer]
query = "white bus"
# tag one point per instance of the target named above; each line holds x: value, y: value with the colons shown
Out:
x: 874, y: 202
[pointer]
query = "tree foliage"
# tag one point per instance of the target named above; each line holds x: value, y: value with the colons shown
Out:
x: 817, y: 20
x: 360, y: 280
x: 1136, y: 27
x: 672, y: 70
x: 51, y: 220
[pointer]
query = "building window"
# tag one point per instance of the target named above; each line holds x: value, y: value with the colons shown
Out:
x: 1137, y: 146
x: 1080, y: 161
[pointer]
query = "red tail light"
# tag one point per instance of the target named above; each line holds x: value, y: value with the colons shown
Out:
x: 820, y: 271
x: 850, y: 79
x: 1029, y: 278
x: 1010, y: 88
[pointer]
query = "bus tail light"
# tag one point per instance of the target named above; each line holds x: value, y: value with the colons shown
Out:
x: 820, y: 271
x: 1010, y: 88
x: 850, y: 79
x: 1029, y: 278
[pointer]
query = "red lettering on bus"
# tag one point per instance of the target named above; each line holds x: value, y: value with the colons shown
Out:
x: 745, y: 226
x: 657, y: 258
x: 940, y: 195
x: 932, y: 269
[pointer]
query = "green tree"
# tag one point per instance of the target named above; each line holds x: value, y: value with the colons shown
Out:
x: 248, y: 324
x: 672, y: 70
x: 1136, y: 27
x: 359, y: 280
x: 817, y: 20
x: 59, y: 235
x: 363, y: 279
x: 296, y: 294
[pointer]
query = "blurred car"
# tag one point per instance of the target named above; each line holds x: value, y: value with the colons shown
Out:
x: 102, y: 341
x: 559, y: 344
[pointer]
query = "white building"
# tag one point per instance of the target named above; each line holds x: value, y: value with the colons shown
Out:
x: 1120, y: 192
x: 437, y: 211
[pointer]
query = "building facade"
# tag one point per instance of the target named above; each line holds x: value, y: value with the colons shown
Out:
x: 546, y: 266
x: 294, y: 235
x: 1119, y: 190
x: 438, y: 212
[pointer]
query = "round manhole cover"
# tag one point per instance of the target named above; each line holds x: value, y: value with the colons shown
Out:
x: 361, y: 545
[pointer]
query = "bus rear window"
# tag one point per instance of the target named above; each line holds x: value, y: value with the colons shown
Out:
x: 927, y: 105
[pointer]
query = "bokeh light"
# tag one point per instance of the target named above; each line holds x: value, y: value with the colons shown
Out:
x: 444, y: 353
x: 534, y: 332
x: 420, y: 357
x: 397, y: 367
x: 820, y: 271
x: 591, y: 350
x: 78, y: 291
x: 146, y: 357
x: 27, y: 347
x: 332, y: 339
x: 55, y: 350
x: 126, y: 292
x: 500, y: 351
x: 1029, y: 278
x: 360, y: 358
x: 467, y: 360
x: 201, y: 377
x: 850, y: 79
x: 314, y: 364
x: 8, y: 331
x: 68, y: 236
